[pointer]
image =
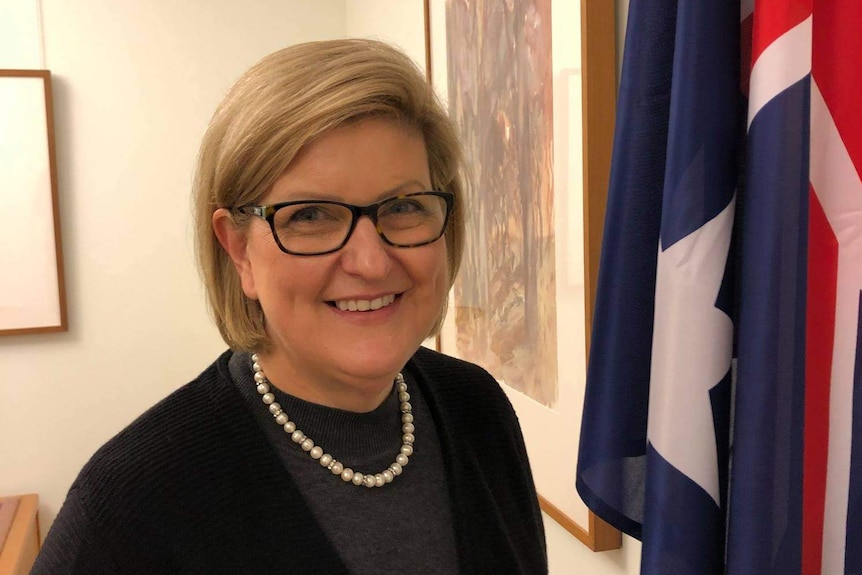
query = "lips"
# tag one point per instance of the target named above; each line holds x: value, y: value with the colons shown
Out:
x: 364, y: 304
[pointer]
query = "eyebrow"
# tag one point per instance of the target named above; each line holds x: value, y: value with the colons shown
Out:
x: 402, y: 188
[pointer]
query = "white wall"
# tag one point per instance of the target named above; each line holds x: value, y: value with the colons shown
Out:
x: 135, y: 84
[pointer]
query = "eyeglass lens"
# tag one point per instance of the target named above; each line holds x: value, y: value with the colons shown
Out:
x: 315, y: 227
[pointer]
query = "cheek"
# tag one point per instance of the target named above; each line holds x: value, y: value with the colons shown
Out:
x: 438, y: 269
x: 427, y: 268
x: 296, y: 286
x: 270, y: 269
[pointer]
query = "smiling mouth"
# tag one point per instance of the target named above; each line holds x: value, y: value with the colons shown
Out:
x: 363, y: 304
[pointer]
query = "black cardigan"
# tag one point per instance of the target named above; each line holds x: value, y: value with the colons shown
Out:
x: 193, y: 486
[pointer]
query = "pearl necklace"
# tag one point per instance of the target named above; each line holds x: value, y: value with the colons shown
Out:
x: 325, y: 459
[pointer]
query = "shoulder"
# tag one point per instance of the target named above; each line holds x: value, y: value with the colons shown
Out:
x: 175, y: 487
x: 451, y: 374
x: 461, y: 389
x: 170, y: 440
x: 441, y: 365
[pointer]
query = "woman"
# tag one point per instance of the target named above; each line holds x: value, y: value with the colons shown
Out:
x: 329, y: 214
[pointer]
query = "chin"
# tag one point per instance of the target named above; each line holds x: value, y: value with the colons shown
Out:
x: 374, y: 366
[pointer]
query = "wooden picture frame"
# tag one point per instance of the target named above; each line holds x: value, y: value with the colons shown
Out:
x: 33, y: 296
x: 598, y: 99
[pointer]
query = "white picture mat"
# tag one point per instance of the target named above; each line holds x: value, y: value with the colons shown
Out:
x: 551, y: 434
x: 29, y: 280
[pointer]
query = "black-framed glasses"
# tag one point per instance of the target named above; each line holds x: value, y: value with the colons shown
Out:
x: 313, y: 228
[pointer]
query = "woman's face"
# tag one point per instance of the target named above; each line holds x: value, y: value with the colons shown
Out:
x: 346, y: 359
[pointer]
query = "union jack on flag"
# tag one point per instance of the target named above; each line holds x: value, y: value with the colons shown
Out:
x: 733, y: 230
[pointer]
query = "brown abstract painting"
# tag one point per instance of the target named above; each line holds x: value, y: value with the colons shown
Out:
x: 500, y: 95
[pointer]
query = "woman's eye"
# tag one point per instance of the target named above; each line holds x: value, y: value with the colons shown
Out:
x: 404, y: 207
x: 309, y: 214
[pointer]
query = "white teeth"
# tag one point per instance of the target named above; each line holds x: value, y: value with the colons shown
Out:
x: 364, y: 304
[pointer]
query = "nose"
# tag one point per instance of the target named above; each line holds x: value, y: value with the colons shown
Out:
x: 366, y: 254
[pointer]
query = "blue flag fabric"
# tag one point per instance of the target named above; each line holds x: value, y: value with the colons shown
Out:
x: 656, y: 449
x: 654, y: 446
x: 612, y: 454
x: 765, y: 527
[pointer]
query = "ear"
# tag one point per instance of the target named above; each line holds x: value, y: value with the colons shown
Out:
x: 234, y: 241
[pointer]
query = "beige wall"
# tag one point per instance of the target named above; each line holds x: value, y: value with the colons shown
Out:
x: 135, y: 84
x: 399, y: 22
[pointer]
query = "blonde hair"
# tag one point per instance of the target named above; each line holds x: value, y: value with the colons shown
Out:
x: 279, y: 106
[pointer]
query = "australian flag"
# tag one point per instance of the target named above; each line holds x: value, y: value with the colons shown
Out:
x: 733, y: 230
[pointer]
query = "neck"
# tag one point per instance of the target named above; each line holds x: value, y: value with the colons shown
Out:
x: 358, y: 395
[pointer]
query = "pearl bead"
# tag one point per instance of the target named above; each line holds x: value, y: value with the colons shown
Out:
x: 254, y: 357
x: 326, y: 460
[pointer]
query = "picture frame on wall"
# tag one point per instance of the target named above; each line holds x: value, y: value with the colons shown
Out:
x: 32, y: 290
x: 532, y: 88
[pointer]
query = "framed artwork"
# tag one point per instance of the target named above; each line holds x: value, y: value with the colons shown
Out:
x: 32, y: 292
x: 531, y: 85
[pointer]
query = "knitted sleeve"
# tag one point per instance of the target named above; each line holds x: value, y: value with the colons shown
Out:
x: 72, y: 547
